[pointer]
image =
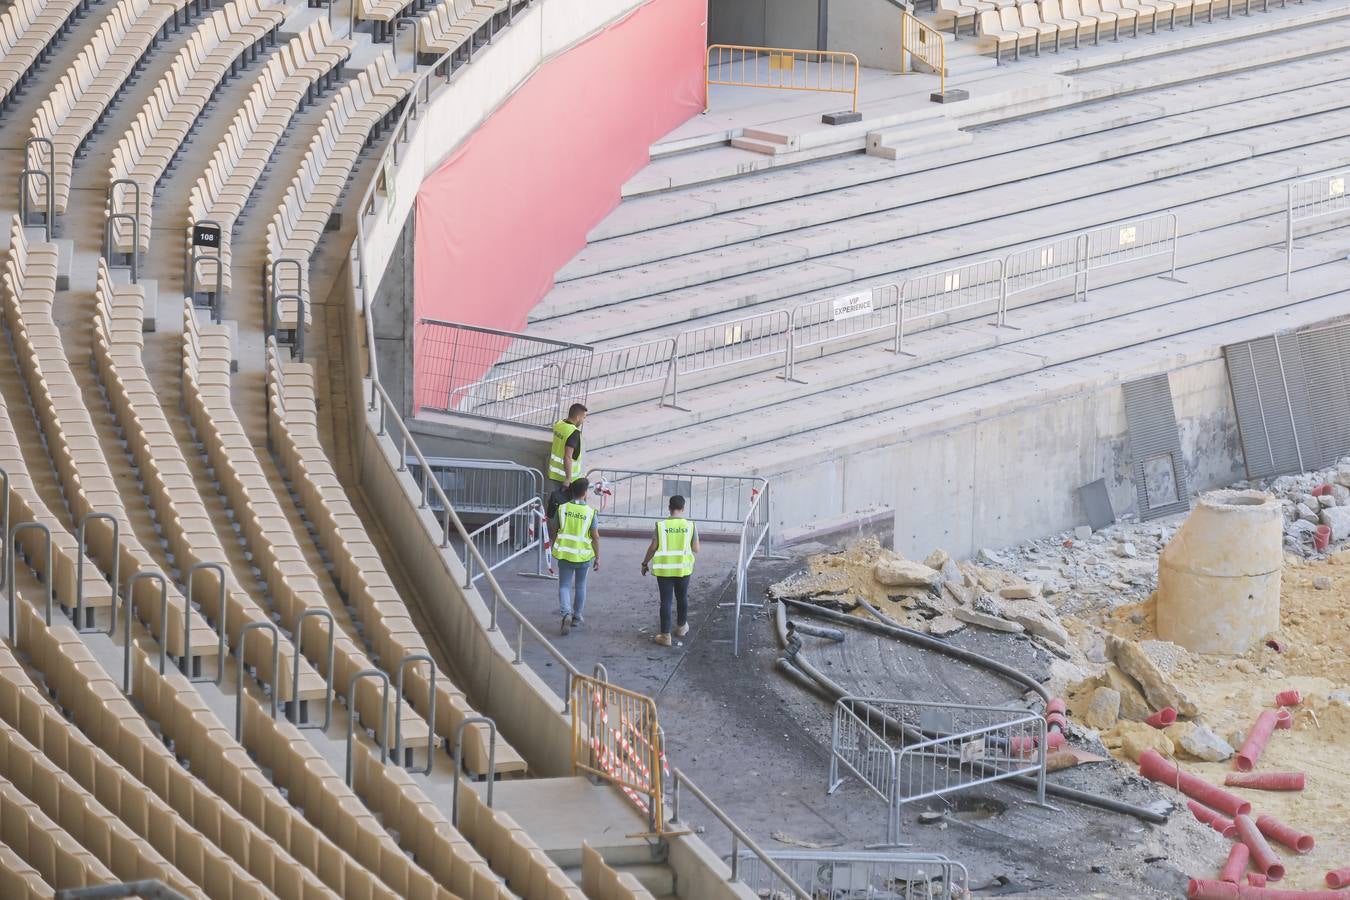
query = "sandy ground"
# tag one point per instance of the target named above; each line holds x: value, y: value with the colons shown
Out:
x: 1232, y: 692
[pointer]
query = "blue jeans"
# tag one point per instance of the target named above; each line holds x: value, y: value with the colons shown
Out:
x: 570, y: 574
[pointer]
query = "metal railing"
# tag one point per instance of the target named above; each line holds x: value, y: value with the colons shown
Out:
x: 682, y: 783
x: 496, y: 374
x: 1309, y: 199
x: 939, y: 294
x: 623, y: 367
x: 881, y: 876
x: 616, y: 737
x: 920, y: 41
x: 736, y: 65
x: 727, y: 343
x: 718, y: 504
x: 906, y: 751
x: 406, y: 447
x: 509, y: 536
x: 822, y: 322
x: 478, y: 487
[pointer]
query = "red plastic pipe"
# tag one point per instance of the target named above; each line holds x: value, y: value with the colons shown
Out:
x: 1057, y: 719
x: 1266, y: 781
x: 1056, y: 705
x: 1288, y: 698
x: 1255, y: 879
x: 1276, y: 830
x: 1162, y: 718
x: 1154, y: 767
x: 1054, y: 740
x: 1204, y: 889
x: 1284, y: 719
x: 1339, y: 878
x: 1237, y: 864
x: 1322, y: 537
x: 1218, y: 821
x: 1264, y: 893
x: 1263, y: 858
x: 1256, y: 740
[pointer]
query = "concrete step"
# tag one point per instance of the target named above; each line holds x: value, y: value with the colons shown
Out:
x: 998, y: 169
x: 900, y: 147
x: 1286, y: 79
x: 658, y: 878
x: 826, y: 259
x: 1214, y: 295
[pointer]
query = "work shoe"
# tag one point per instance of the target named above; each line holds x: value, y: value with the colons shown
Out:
x: 566, y: 624
x: 577, y: 621
x: 663, y: 639
x: 682, y: 630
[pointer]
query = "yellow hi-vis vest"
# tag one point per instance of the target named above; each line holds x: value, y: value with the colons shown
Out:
x: 561, y: 432
x: 674, y: 548
x: 573, y: 543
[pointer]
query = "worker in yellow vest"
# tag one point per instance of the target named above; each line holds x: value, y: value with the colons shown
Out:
x: 576, y: 547
x: 670, y: 557
x: 564, y: 454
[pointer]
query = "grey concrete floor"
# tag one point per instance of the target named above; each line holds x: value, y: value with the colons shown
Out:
x: 759, y: 745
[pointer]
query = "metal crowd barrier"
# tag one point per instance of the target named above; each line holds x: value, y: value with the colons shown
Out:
x: 496, y: 374
x: 478, y: 487
x: 1310, y: 199
x: 509, y: 536
x: 922, y: 42
x: 906, y: 751
x: 616, y: 737
x: 735, y: 65
x: 727, y: 343
x: 718, y: 504
x: 847, y: 874
x: 832, y: 319
x: 938, y: 294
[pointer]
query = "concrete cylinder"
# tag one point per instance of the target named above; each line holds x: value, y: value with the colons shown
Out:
x: 1219, y: 577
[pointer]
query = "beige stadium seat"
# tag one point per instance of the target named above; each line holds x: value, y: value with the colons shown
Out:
x: 1105, y: 16
x: 1124, y: 15
x: 1079, y: 9
x: 1030, y: 15
x: 1052, y: 13
x: 962, y: 10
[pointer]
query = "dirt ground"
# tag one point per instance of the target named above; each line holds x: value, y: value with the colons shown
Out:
x: 1315, y: 659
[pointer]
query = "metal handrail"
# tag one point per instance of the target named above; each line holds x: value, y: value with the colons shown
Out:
x: 678, y: 778
x: 917, y: 39
x: 389, y: 413
x: 745, y: 60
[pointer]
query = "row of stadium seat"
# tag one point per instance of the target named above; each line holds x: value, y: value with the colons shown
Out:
x: 27, y: 29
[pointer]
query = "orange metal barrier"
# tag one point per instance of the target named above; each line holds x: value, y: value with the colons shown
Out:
x: 615, y: 736
x: 920, y: 41
x: 734, y: 65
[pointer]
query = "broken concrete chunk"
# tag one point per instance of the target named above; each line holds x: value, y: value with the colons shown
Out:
x: 1024, y: 591
x: 1198, y: 742
x: 905, y: 573
x: 937, y: 560
x: 1103, y: 709
x: 1338, y: 519
x: 1039, y: 626
x: 944, y: 625
x: 1082, y: 532
x: 993, y: 623
x: 1322, y: 583
x: 959, y: 593
x: 952, y: 574
x: 991, y: 558
x: 1136, y: 737
x: 1158, y: 689
x: 986, y: 604
x: 1128, y: 550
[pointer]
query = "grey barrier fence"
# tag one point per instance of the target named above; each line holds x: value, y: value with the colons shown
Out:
x: 621, y: 367
x: 849, y: 875
x: 1312, y: 198
x: 938, y: 294
x: 732, y: 505
x: 906, y: 751
x: 478, y: 487
x: 496, y: 374
x: 727, y: 343
x: 511, y: 535
x: 820, y: 322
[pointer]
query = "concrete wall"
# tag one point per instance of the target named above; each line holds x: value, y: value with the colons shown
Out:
x: 868, y: 28
x: 392, y: 307
x: 765, y: 23
x: 442, y: 435
x: 1012, y: 471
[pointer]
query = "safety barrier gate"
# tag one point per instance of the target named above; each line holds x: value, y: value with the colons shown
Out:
x: 616, y: 737
x: 1310, y: 199
x: 905, y: 751
x: 727, y: 504
x: 898, y: 876
x: 735, y: 65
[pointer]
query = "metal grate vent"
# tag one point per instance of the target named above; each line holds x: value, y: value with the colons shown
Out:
x: 1155, y: 448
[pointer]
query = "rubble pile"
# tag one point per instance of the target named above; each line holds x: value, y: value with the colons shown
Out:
x: 1310, y: 500
x: 938, y: 595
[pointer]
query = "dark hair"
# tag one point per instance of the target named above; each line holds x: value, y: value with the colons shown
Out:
x: 676, y: 502
x: 577, y: 489
x: 575, y: 410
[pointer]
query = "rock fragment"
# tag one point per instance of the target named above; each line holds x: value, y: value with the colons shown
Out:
x: 905, y: 573
x: 1103, y: 709
x: 1158, y: 689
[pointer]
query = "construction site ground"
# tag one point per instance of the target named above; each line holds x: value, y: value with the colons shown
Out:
x: 760, y: 744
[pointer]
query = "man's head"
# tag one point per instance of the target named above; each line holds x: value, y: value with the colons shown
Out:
x: 577, y: 489
x: 676, y: 505
x: 576, y: 414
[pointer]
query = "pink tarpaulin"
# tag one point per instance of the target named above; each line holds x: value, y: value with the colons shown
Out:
x: 514, y: 203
